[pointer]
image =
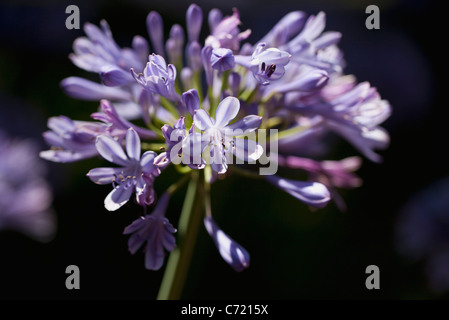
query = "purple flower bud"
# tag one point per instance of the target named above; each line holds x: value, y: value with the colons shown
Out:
x: 206, y: 54
x: 289, y: 25
x: 113, y: 76
x: 222, y: 59
x: 233, y: 253
x: 194, y: 56
x: 214, y: 18
x: 155, y: 29
x: 311, y: 193
x: 83, y: 89
x: 191, y: 100
x: 187, y: 77
x: 175, y: 44
x: 194, y: 19
x: 141, y: 47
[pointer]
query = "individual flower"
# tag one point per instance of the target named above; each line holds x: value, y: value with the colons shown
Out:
x: 225, y: 33
x: 231, y: 252
x: 157, y: 77
x: 222, y: 59
x: 268, y: 64
x: 135, y: 174
x: 219, y: 134
x: 155, y: 232
x: 71, y: 140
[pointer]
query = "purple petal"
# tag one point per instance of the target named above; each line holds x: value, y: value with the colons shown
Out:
x: 83, y: 89
x: 247, y: 150
x: 243, y: 126
x: 288, y: 26
x: 117, y: 197
x: 113, y: 76
x: 202, y: 120
x: 147, y: 160
x: 233, y: 253
x: 111, y: 150
x: 132, y: 144
x: 312, y: 193
x: 227, y: 110
x: 206, y: 54
x: 214, y: 18
x: 194, y: 59
x: 104, y: 175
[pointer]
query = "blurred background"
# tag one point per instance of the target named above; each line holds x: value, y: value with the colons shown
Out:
x: 398, y: 219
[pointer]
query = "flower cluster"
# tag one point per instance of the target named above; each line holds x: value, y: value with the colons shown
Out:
x: 205, y: 107
x: 25, y: 196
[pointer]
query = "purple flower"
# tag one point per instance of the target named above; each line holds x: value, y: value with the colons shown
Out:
x: 25, y: 196
x: 218, y: 134
x: 311, y: 193
x: 233, y: 253
x: 136, y: 174
x: 355, y: 115
x: 156, y: 232
x: 158, y: 78
x: 117, y: 125
x: 100, y: 53
x: 71, y: 140
x: 222, y: 59
x: 155, y: 27
x: 268, y: 64
x: 226, y: 33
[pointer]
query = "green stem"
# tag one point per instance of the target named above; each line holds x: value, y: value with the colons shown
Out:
x: 179, y: 260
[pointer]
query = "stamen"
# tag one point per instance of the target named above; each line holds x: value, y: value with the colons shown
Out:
x: 270, y: 70
x: 263, y: 66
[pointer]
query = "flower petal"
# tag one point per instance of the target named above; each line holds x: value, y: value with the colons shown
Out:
x: 132, y: 144
x: 202, y: 120
x: 243, y: 126
x: 227, y: 110
x: 312, y: 193
x: 104, y: 175
x: 117, y: 197
x: 111, y: 150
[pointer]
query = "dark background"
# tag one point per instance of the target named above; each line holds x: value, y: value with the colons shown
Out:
x: 295, y: 253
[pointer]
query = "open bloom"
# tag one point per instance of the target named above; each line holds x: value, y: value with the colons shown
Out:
x: 136, y: 173
x: 268, y: 64
x: 156, y: 232
x: 220, y: 136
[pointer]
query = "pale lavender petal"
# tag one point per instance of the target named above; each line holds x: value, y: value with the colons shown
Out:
x: 206, y: 54
x: 104, y: 175
x: 147, y: 160
x: 227, y: 110
x: 83, y: 89
x: 288, y: 26
x: 111, y: 150
x: 247, y: 150
x: 113, y: 76
x: 214, y: 18
x: 193, y: 52
x: 243, y: 126
x: 202, y: 120
x: 132, y: 144
x: 117, y: 197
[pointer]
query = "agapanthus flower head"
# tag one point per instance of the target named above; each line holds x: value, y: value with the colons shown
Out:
x: 214, y: 107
